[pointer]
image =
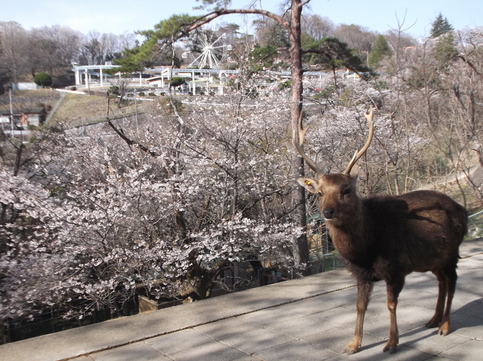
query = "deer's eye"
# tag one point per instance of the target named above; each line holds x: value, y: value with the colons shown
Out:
x: 347, y: 191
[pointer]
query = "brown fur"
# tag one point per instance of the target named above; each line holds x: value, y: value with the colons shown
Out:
x: 386, y: 238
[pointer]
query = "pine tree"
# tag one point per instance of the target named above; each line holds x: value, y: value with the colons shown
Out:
x: 43, y: 79
x: 440, y: 26
x: 379, y: 51
x: 445, y: 50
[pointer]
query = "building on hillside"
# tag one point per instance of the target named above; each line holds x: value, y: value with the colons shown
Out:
x: 25, y: 86
x: 22, y: 118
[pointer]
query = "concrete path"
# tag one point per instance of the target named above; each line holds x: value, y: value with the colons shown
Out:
x: 305, y: 319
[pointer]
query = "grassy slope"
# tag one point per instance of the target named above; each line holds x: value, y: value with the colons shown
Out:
x: 29, y: 99
x: 77, y: 109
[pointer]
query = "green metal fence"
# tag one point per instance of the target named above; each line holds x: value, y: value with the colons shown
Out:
x: 475, y: 225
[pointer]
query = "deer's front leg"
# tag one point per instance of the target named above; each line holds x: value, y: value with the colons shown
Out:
x: 394, y: 287
x: 364, y: 290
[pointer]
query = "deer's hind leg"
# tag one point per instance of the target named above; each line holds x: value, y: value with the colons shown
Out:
x: 451, y: 287
x: 436, y: 320
x: 446, y: 289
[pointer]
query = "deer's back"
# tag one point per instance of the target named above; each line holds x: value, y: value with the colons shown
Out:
x: 416, y: 231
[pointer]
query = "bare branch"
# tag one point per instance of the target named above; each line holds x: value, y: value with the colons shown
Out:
x: 131, y: 142
x: 470, y: 64
x: 205, y: 19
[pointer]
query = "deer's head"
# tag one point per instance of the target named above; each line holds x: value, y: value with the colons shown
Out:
x: 338, y: 199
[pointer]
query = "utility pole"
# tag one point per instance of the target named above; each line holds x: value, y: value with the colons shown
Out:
x: 11, y: 110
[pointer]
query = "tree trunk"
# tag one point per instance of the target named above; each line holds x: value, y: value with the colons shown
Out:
x: 301, y: 250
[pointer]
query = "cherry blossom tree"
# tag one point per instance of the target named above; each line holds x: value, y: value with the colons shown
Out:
x: 179, y: 26
x: 162, y: 211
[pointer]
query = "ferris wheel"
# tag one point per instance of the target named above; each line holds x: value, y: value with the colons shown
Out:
x: 212, y: 52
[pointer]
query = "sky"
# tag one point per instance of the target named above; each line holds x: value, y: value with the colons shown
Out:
x: 126, y: 16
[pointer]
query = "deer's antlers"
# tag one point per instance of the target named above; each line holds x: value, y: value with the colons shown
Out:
x: 298, y: 141
x: 369, y: 116
x: 299, y: 136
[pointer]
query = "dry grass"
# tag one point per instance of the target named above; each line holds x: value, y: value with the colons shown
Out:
x: 77, y: 109
x: 29, y: 99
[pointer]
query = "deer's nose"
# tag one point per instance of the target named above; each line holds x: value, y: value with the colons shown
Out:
x: 328, y: 213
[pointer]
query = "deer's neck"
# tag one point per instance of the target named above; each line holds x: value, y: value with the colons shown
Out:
x: 351, y: 239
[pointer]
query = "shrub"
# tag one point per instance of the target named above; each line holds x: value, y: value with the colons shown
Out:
x: 176, y: 81
x: 43, y: 79
x: 113, y: 91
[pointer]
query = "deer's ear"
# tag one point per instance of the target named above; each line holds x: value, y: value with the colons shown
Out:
x: 310, y: 184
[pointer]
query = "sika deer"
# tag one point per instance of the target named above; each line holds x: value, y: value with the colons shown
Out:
x: 386, y: 238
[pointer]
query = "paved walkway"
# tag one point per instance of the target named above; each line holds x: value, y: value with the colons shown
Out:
x: 305, y: 319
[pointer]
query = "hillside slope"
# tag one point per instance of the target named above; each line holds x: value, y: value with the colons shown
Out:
x: 78, y: 109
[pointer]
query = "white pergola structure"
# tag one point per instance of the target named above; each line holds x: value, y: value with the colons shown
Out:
x: 188, y: 73
x: 84, y: 69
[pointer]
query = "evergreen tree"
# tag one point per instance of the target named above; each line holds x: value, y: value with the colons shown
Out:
x: 333, y: 54
x: 445, y: 50
x: 43, y: 79
x: 440, y: 26
x: 263, y: 57
x: 157, y: 48
x: 380, y: 50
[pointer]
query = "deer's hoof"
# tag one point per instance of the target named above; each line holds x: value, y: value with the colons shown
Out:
x: 444, y: 329
x: 434, y: 322
x: 390, y: 348
x: 350, y: 350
